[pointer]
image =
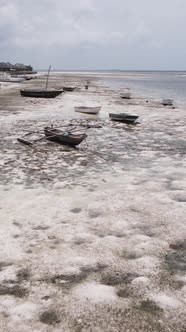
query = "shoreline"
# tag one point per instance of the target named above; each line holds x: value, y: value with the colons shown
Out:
x: 92, y: 239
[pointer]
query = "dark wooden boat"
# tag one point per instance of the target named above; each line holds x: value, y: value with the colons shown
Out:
x: 167, y: 102
x: 40, y: 93
x: 69, y: 88
x: 123, y: 117
x: 61, y: 137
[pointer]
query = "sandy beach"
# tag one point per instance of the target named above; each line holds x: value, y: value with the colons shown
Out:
x: 92, y: 239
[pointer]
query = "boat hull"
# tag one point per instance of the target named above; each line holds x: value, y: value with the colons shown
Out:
x: 40, y: 93
x: 68, y: 88
x: 126, y: 95
x: 167, y: 102
x: 124, y: 117
x: 57, y: 136
x: 12, y: 80
x: 88, y: 110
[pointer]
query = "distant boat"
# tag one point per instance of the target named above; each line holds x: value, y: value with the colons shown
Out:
x: 126, y: 95
x: 88, y: 110
x: 61, y: 137
x: 40, y: 93
x: 123, y: 117
x: 7, y: 78
x: 69, y: 88
x: 24, y: 77
x: 167, y: 102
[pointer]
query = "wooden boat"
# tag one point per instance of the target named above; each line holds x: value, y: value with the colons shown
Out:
x: 68, y: 88
x: 167, y: 102
x: 88, y: 110
x: 61, y: 137
x: 40, y: 93
x: 123, y: 117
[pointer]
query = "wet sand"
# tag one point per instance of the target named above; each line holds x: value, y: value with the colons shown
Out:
x: 94, y: 238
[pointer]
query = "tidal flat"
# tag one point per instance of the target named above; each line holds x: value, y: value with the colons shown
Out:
x: 93, y: 238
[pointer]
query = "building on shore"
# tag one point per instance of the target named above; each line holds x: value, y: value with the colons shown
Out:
x: 18, y: 67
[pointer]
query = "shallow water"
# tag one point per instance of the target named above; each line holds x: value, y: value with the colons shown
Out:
x: 153, y: 84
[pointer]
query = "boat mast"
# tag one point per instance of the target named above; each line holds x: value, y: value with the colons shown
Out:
x: 47, y: 77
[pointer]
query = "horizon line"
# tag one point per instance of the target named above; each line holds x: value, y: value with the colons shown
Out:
x: 118, y: 70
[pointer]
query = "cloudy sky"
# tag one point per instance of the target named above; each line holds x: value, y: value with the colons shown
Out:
x: 94, y: 34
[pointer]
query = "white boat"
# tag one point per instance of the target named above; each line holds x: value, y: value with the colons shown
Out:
x: 88, y: 110
x: 7, y: 78
x: 23, y: 77
x: 167, y: 102
x: 126, y: 95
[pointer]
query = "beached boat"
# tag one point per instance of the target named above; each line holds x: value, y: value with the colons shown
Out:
x: 8, y: 79
x: 40, y: 93
x: 123, y: 117
x: 23, y: 77
x: 88, y: 110
x: 69, y: 88
x: 126, y: 95
x: 62, y: 137
x: 167, y: 102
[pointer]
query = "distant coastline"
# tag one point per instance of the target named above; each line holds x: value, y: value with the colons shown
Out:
x: 112, y: 71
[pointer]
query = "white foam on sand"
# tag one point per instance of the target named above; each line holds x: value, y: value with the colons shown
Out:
x: 95, y: 293
x: 25, y: 311
x: 166, y: 301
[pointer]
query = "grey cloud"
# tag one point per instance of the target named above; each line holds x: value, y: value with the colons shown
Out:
x: 82, y: 34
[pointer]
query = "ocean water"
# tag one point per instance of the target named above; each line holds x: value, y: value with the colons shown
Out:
x: 156, y: 85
